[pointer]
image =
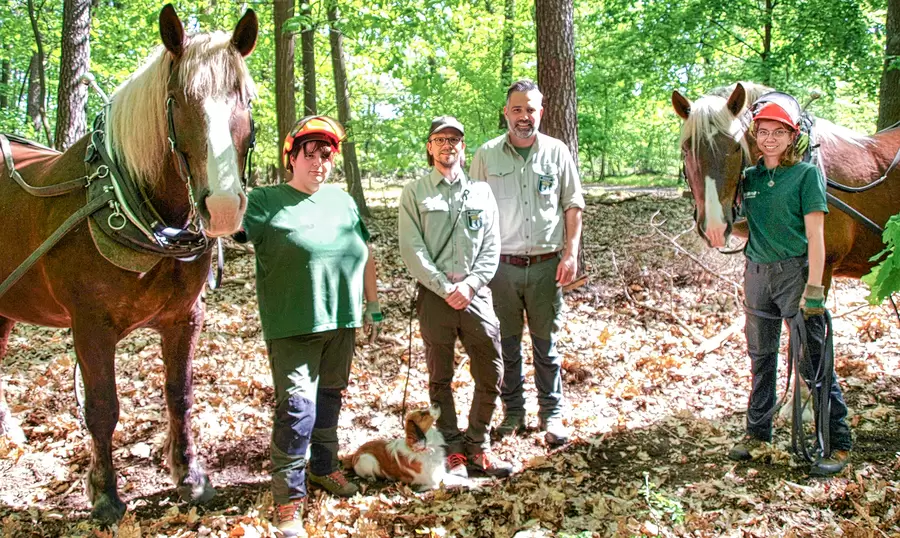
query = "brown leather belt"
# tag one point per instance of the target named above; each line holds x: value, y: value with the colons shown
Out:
x: 525, y: 261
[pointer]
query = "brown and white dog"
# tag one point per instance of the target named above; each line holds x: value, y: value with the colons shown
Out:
x: 418, y: 459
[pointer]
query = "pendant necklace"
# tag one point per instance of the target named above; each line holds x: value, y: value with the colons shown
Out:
x: 771, y: 174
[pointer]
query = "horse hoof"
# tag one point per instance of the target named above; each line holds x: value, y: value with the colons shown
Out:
x: 108, y: 510
x: 197, y: 493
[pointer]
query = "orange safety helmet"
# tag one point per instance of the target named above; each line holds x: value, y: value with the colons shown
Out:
x: 313, y: 128
x: 774, y: 111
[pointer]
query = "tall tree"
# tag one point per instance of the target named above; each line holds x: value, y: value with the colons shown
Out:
x: 4, y: 83
x: 308, y: 44
x: 554, y: 20
x: 342, y: 96
x: 508, y: 54
x: 38, y: 90
x: 75, y: 57
x: 285, y: 101
x: 889, y: 94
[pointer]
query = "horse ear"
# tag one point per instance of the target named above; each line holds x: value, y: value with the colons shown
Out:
x: 681, y: 105
x: 736, y: 101
x: 171, y: 30
x: 245, y: 33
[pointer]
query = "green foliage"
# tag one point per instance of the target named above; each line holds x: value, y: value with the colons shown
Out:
x: 661, y: 507
x: 885, y: 277
x: 411, y: 60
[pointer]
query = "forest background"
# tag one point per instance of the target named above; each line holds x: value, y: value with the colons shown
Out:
x: 407, y: 61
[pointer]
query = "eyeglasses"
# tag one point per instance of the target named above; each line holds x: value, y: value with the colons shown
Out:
x: 778, y: 133
x: 441, y: 140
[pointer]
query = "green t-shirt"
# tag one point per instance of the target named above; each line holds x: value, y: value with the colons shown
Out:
x: 310, y: 256
x: 775, y: 207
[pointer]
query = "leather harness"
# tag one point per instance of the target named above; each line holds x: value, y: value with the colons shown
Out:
x: 118, y: 205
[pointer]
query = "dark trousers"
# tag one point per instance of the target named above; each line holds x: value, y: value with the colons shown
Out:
x: 776, y: 289
x: 478, y: 329
x: 533, y: 292
x: 310, y: 373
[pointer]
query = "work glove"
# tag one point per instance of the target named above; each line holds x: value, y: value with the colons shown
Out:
x: 372, y: 318
x: 813, y: 301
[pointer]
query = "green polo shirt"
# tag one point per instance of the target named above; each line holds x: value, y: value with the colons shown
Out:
x: 775, y: 203
x: 428, y: 209
x: 532, y: 193
x: 310, y: 257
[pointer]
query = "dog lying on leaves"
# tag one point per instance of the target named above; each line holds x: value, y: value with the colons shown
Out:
x: 418, y: 459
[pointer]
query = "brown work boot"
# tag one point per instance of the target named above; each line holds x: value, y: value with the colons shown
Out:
x: 743, y: 450
x: 555, y: 433
x: 336, y: 483
x: 487, y: 464
x: 831, y: 465
x: 289, y: 519
x: 511, y: 425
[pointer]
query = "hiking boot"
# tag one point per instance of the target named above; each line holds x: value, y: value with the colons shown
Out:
x: 510, y: 426
x: 831, y: 465
x: 456, y: 465
x: 742, y: 451
x: 556, y: 434
x: 289, y: 519
x: 489, y: 465
x: 336, y: 483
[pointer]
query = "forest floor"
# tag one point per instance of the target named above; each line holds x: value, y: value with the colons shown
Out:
x: 656, y: 379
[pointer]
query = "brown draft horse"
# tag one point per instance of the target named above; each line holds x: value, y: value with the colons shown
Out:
x: 206, y: 80
x: 716, y: 145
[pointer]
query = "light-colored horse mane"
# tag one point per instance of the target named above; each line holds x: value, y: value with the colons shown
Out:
x: 710, y: 116
x: 137, y: 125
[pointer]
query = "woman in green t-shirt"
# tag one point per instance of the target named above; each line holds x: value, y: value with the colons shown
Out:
x: 784, y: 202
x: 315, y: 281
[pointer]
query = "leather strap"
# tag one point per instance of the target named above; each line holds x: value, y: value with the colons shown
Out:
x: 54, y: 238
x: 44, y: 192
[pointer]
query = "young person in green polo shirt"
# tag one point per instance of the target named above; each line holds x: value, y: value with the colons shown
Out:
x: 313, y: 271
x: 784, y: 202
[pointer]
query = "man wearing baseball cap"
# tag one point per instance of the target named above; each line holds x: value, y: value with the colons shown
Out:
x: 450, y: 242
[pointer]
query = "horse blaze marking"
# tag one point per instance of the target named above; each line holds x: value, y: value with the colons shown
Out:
x: 715, y: 215
x: 221, y: 159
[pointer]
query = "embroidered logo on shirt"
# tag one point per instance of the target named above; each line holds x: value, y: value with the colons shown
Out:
x: 748, y: 195
x: 545, y: 183
x: 473, y: 219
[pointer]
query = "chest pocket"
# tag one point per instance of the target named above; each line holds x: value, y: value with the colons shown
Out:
x: 502, y: 180
x: 546, y: 179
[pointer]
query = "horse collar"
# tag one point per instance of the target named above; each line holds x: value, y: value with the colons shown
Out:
x: 130, y: 217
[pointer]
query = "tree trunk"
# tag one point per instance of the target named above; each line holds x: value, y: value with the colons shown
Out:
x: 38, y: 80
x: 285, y: 100
x: 556, y: 70
x: 889, y: 93
x: 506, y: 65
x: 4, y: 83
x: 308, y: 44
x: 342, y: 96
x: 33, y: 101
x: 767, y: 43
x: 75, y: 58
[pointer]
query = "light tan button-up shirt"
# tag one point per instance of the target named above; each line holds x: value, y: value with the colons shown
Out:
x: 428, y: 208
x: 532, y: 195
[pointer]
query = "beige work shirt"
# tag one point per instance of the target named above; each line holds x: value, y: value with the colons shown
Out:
x: 428, y: 209
x: 532, y: 194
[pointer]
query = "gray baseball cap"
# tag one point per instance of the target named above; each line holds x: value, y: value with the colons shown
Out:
x: 445, y: 122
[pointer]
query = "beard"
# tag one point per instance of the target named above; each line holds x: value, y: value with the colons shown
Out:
x: 447, y: 159
x: 522, y: 129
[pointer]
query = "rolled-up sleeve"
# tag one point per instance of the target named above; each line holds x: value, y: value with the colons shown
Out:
x: 571, y: 193
x: 413, y: 250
